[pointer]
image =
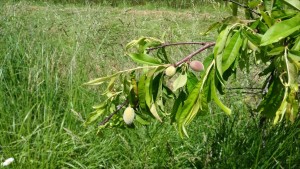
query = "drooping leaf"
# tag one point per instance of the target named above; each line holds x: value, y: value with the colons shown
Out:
x: 276, y: 51
x: 142, y: 91
x: 273, y: 98
x: 184, y: 110
x: 157, y: 86
x: 210, y: 28
x: 193, y: 113
x: 177, y: 105
x: 99, y: 81
x: 180, y: 81
x: 231, y: 51
x: 94, y: 116
x: 191, y: 81
x: 295, y: 57
x: 253, y: 37
x: 139, y: 119
x: 296, y: 47
x: 162, y: 54
x: 154, y: 112
x: 268, y: 20
x: 218, y: 50
x: 215, y: 97
x: 148, y: 87
x: 133, y: 91
x: 281, y: 30
x: 221, y: 41
x: 144, y: 59
x: 142, y: 43
x: 293, y: 3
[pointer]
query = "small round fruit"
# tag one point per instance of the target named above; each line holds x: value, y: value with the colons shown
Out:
x: 128, y: 115
x: 170, y: 71
x: 196, y: 66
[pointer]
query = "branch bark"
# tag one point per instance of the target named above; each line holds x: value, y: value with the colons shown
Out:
x: 119, y: 107
x: 176, y: 44
x: 244, y: 6
x: 206, y: 46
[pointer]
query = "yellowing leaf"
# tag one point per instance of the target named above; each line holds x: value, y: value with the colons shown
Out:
x: 154, y: 112
x: 180, y: 81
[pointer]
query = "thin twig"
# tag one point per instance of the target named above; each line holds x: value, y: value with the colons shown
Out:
x: 245, y: 6
x: 119, y: 107
x: 244, y: 88
x: 207, y: 45
x: 176, y: 44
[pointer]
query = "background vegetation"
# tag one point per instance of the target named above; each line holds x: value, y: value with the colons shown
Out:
x: 48, y: 50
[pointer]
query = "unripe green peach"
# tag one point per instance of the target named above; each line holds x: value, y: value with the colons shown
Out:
x: 170, y: 71
x: 196, y: 65
x: 128, y: 115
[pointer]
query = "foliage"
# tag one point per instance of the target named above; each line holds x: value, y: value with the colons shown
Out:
x: 271, y: 36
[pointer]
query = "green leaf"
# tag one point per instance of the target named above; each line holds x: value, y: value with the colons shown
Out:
x: 144, y: 59
x: 215, y: 97
x: 253, y: 37
x: 193, y: 112
x: 291, y: 88
x: 180, y: 81
x: 273, y: 98
x: 293, y: 3
x: 268, y: 20
x: 141, y: 120
x: 142, y: 92
x: 192, y: 80
x: 185, y: 110
x: 133, y: 91
x: 94, y: 116
x: 296, y: 47
x: 157, y: 86
x: 295, y: 57
x: 210, y: 28
x: 254, y: 3
x: 276, y: 51
x: 281, y: 30
x: 218, y: 49
x: 187, y: 107
x: 153, y: 110
x: 179, y: 101
x: 99, y: 81
x: 221, y: 41
x: 148, y: 87
x: 231, y: 51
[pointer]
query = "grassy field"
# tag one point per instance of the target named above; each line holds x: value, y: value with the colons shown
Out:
x: 47, y: 51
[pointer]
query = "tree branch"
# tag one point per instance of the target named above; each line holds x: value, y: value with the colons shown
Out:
x: 176, y: 44
x: 119, y: 107
x: 207, y: 45
x: 244, y: 6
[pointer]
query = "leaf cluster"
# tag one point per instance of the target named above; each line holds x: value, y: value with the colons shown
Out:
x: 269, y: 36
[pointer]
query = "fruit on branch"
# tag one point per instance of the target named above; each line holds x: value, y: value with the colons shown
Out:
x: 197, y: 65
x: 128, y: 115
x: 170, y: 71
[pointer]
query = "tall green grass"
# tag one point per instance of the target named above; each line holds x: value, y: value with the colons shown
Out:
x: 48, y: 51
x: 183, y: 4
